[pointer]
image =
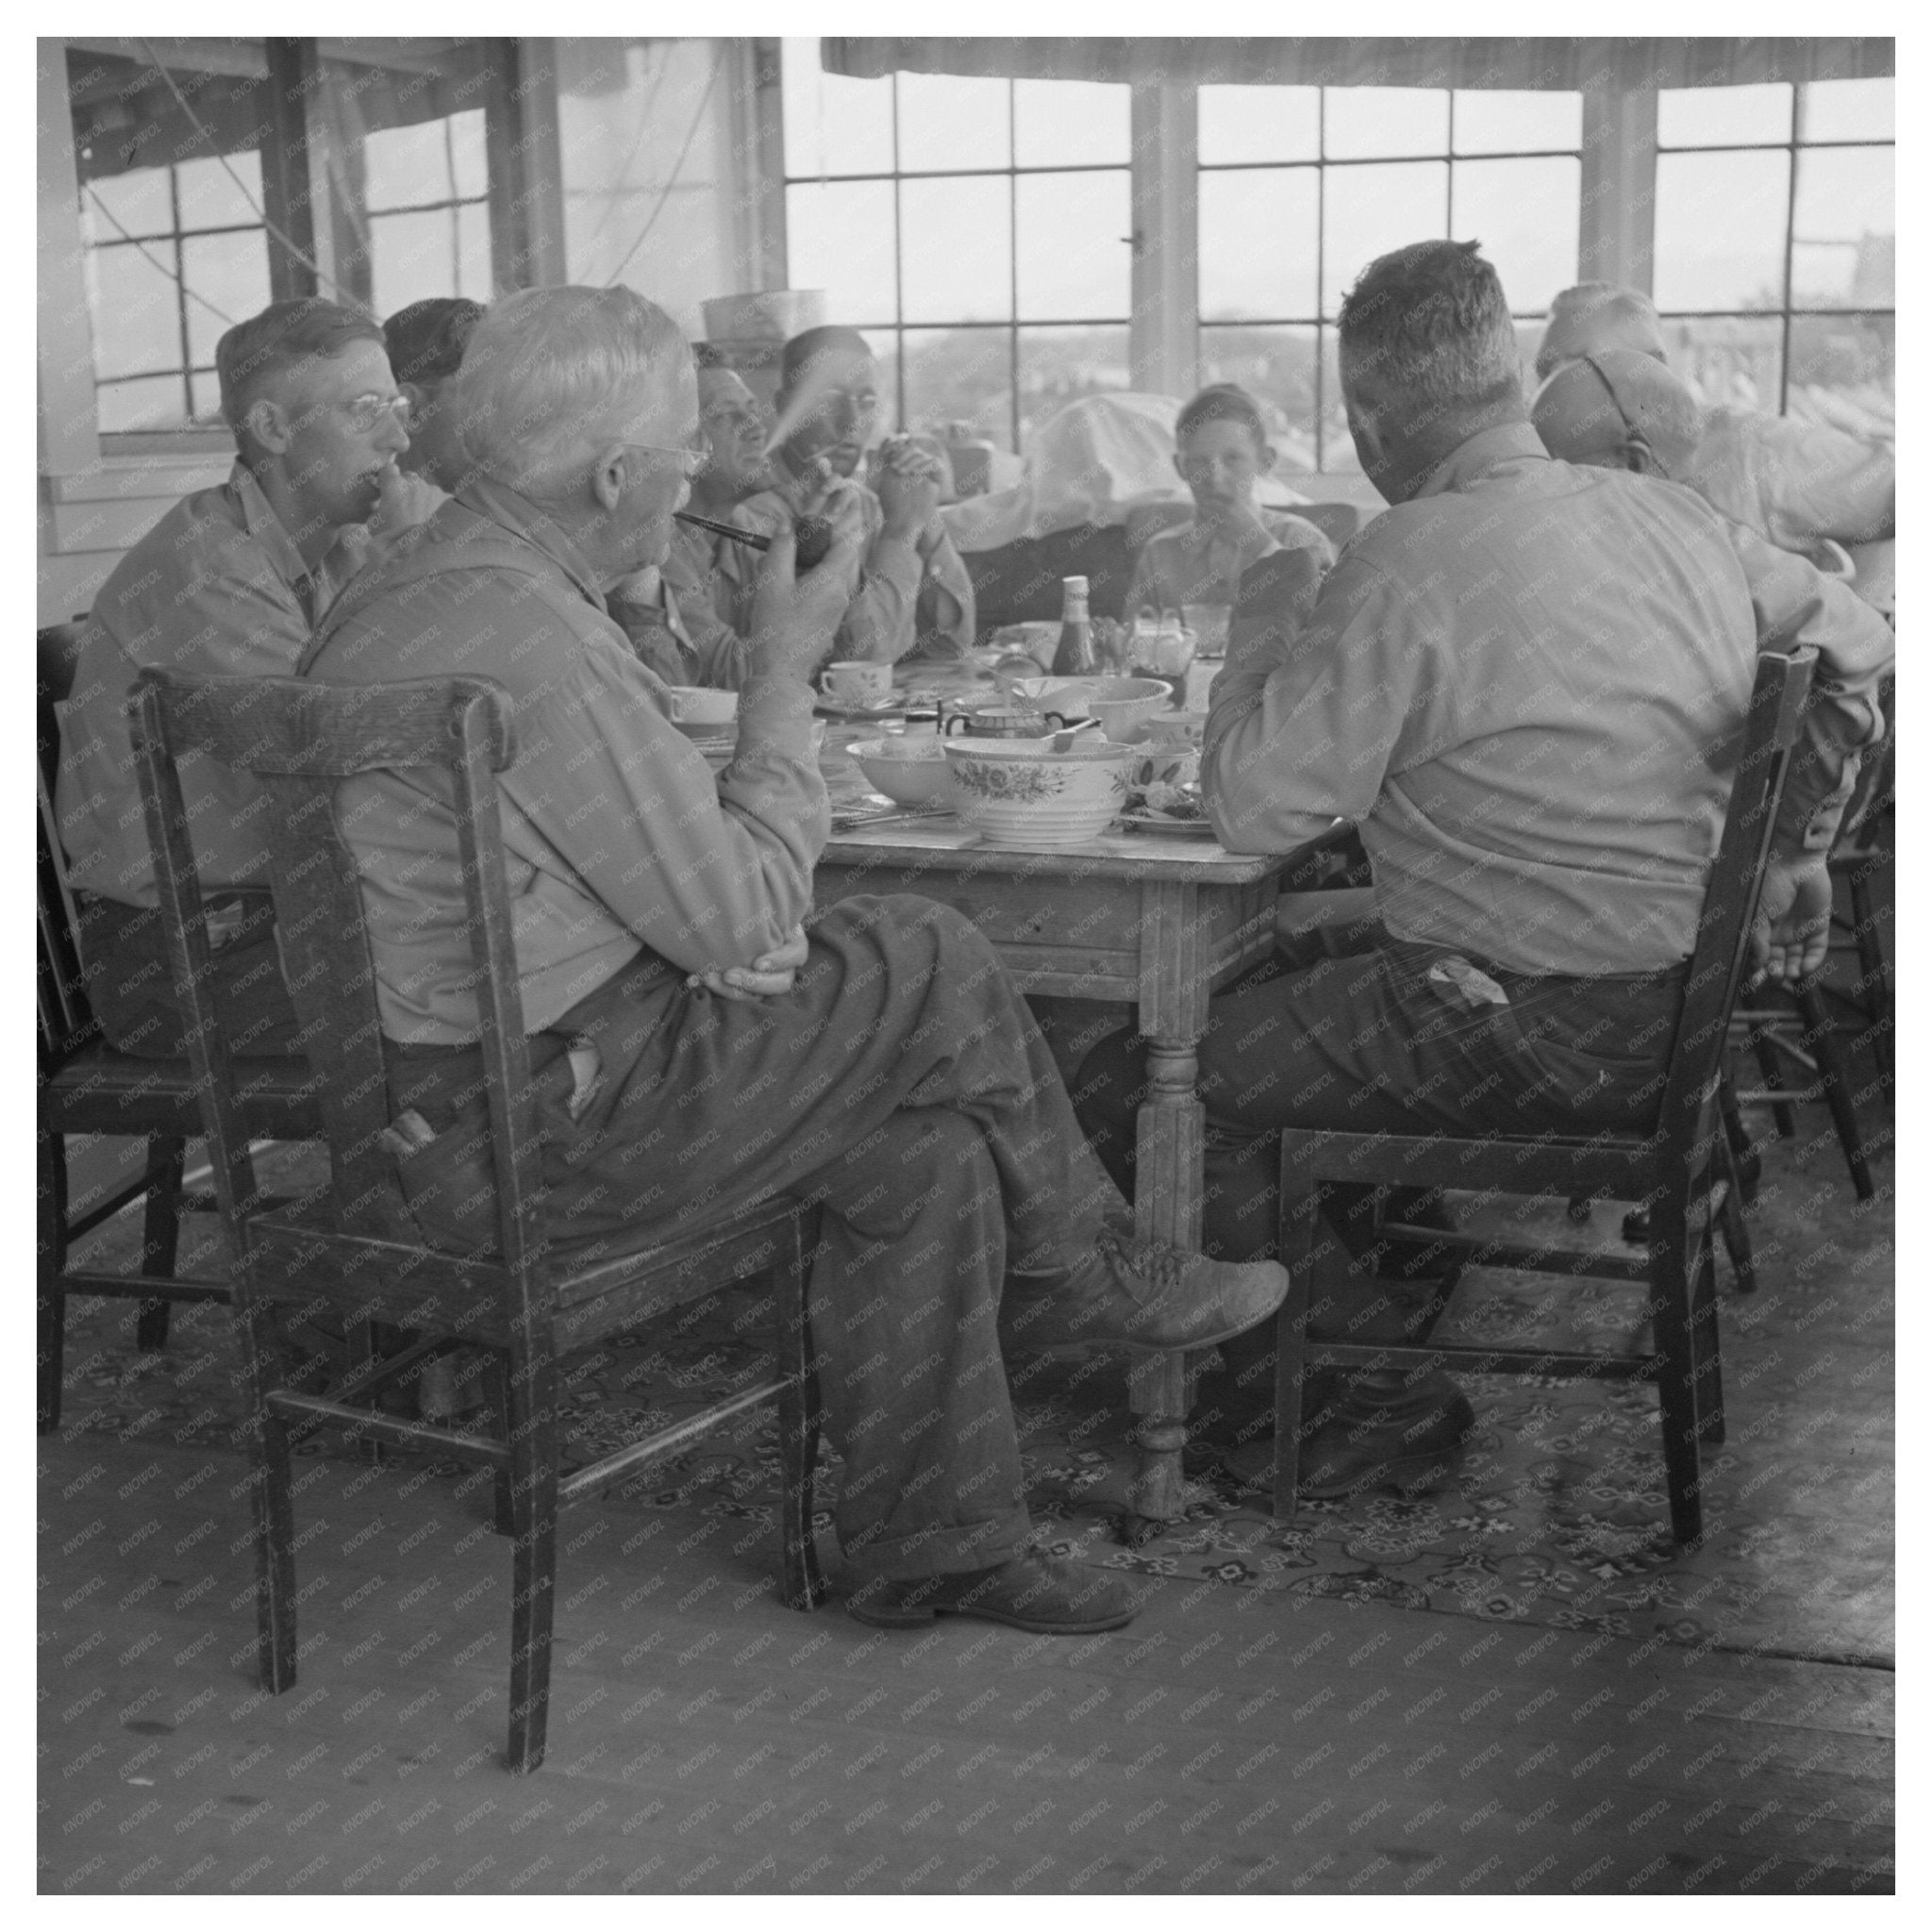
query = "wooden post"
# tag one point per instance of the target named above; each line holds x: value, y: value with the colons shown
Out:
x: 1615, y: 238
x: 1162, y: 352
x: 293, y: 72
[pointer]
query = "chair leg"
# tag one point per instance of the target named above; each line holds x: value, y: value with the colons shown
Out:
x: 799, y: 1423
x: 271, y: 1499
x: 1704, y: 1337
x: 1747, y: 1165
x: 497, y: 1383
x: 1731, y: 1222
x: 533, y: 1429
x: 1676, y: 1375
x: 1821, y: 1041
x: 1783, y: 1116
x: 50, y: 1345
x: 1301, y: 1197
x: 160, y: 1235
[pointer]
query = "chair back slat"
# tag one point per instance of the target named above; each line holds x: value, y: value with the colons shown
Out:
x: 1718, y: 961
x: 302, y: 738
x: 66, y: 1019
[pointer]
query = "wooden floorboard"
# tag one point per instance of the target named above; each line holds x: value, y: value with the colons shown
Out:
x: 705, y: 1740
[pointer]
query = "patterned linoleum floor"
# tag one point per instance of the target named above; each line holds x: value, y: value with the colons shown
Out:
x: 1556, y: 1516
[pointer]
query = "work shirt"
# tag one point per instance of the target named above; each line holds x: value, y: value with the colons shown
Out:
x: 671, y: 617
x: 912, y: 601
x: 1196, y: 564
x: 1794, y: 483
x: 1527, y: 687
x: 216, y: 588
x: 618, y: 840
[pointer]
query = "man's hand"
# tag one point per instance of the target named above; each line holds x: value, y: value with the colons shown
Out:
x: 1240, y: 525
x: 909, y: 490
x: 1793, y: 924
x: 403, y: 502
x: 767, y: 977
x: 1274, y: 601
x: 794, y: 619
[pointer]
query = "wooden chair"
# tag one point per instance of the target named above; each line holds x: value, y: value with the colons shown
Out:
x: 1684, y: 1165
x: 86, y: 1088
x: 359, y: 1251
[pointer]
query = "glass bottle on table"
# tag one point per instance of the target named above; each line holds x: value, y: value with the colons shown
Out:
x: 1075, y: 656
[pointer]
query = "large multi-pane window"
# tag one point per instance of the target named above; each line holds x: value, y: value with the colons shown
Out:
x: 1774, y: 242
x: 978, y: 230
x: 1302, y: 186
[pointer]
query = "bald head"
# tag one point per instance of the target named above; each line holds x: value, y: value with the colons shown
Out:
x: 1619, y: 410
x: 1594, y: 316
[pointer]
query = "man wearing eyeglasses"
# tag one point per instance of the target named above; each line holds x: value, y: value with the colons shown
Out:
x: 231, y: 582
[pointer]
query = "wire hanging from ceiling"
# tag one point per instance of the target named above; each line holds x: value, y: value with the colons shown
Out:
x: 677, y: 167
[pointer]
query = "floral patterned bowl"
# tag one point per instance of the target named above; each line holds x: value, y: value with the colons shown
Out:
x: 1021, y: 795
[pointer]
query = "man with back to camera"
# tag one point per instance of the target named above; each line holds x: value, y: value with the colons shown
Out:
x: 1794, y: 483
x: 694, y: 1050
x: 231, y: 581
x: 914, y: 598
x: 1525, y: 683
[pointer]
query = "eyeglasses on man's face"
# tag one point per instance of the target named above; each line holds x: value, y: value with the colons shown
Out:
x: 691, y: 456
x: 366, y: 413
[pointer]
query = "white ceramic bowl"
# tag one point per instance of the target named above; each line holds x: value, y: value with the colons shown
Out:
x: 701, y: 712
x: 1021, y: 795
x: 1118, y: 703
x: 909, y: 771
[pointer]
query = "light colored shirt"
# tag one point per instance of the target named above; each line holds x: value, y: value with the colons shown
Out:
x: 1196, y: 564
x: 884, y: 622
x: 1794, y: 483
x: 216, y: 588
x: 617, y: 836
x: 1527, y: 687
x: 672, y: 618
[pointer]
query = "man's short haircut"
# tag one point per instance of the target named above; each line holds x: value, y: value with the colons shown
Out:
x: 1428, y: 327
x: 256, y: 355
x: 426, y: 340
x: 1223, y: 402
x: 818, y: 341
x: 554, y: 377
x: 1598, y: 316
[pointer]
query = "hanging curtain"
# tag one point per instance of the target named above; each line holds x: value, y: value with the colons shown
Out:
x: 1620, y: 65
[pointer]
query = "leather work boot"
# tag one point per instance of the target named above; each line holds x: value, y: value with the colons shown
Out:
x: 1143, y: 1294
x: 1379, y: 1435
x: 1031, y: 1592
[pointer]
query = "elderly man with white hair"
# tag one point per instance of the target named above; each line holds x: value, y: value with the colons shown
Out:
x: 696, y: 1050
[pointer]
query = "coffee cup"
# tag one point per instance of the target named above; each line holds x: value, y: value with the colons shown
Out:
x: 861, y: 685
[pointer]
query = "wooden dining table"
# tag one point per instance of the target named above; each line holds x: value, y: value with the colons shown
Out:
x: 1154, y: 921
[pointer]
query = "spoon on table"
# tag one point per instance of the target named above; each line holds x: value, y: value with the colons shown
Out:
x: 1063, y: 741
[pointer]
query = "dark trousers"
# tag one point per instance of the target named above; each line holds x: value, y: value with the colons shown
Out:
x: 131, y: 984
x: 1367, y: 1042
x: 904, y: 1086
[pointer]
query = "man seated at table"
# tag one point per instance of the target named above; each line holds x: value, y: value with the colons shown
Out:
x: 1794, y: 483
x: 231, y: 582
x: 1525, y: 684
x: 672, y: 616
x: 696, y: 1049
x: 914, y: 598
x: 425, y: 343
x: 1221, y: 452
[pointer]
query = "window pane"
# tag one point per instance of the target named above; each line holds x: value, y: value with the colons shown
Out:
x: 1842, y: 229
x: 139, y: 200
x: 1720, y: 231
x: 1845, y: 373
x: 1338, y: 446
x: 1846, y: 110
x: 1369, y: 121
x: 473, y: 277
x: 1057, y: 122
x: 1276, y: 366
x: 209, y: 196
x: 1074, y: 258
x: 231, y: 270
x: 833, y: 125
x: 406, y: 166
x: 840, y: 239
x: 1494, y: 121
x: 1058, y: 366
x: 471, y: 159
x: 1371, y: 210
x: 1728, y: 358
x: 207, y: 396
x: 957, y: 263
x: 153, y: 404
x: 1260, y: 124
x: 961, y: 375
x: 1525, y: 213
x: 137, y: 326
x: 1720, y: 116
x: 1258, y: 243
x: 948, y: 121
x: 412, y: 258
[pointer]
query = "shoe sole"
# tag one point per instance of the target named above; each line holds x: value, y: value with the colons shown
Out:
x: 911, y: 1616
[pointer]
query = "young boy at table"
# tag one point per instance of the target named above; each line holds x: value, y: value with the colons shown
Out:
x: 1222, y: 452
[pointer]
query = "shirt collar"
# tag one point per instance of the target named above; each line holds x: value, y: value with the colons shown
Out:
x: 261, y: 523
x: 518, y: 514
x: 1487, y: 449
